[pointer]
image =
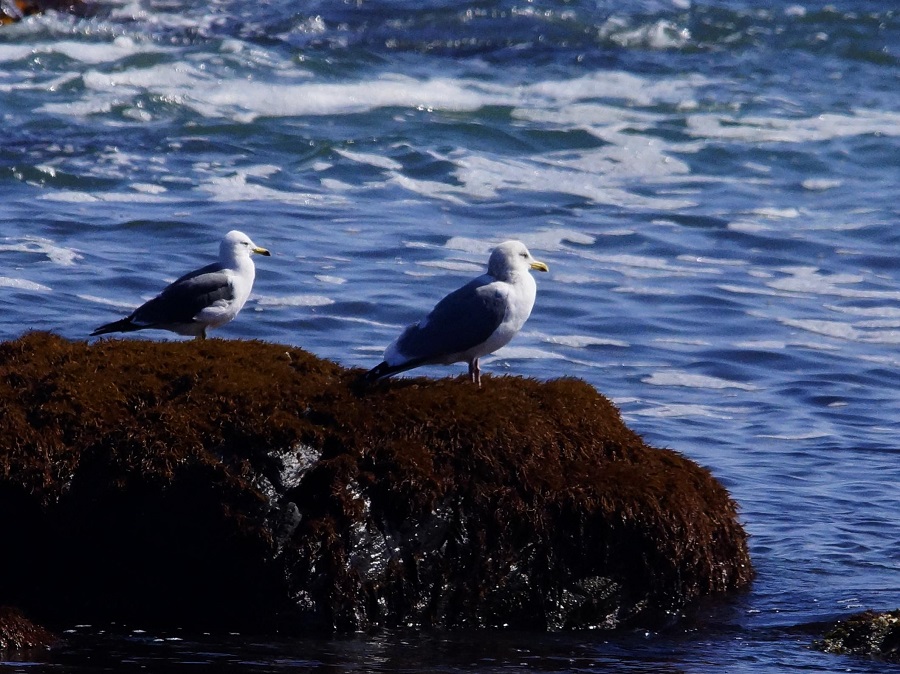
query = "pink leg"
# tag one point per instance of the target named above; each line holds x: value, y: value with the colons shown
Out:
x: 475, y: 373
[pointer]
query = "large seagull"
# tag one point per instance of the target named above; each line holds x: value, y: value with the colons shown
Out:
x: 471, y: 322
x: 205, y: 298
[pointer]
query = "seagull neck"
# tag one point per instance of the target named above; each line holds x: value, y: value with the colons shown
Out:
x: 509, y: 275
x: 236, y: 262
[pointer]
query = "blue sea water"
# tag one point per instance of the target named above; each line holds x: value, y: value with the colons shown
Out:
x: 714, y: 185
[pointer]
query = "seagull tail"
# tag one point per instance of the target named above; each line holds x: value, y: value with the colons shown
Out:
x: 124, y: 325
x: 383, y: 370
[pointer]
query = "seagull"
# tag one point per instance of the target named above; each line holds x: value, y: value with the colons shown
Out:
x: 205, y: 298
x: 471, y: 322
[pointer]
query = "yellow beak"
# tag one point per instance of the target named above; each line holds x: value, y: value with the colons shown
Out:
x: 260, y: 251
x: 539, y: 266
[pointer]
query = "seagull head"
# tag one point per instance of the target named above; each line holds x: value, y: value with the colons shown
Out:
x: 237, y: 245
x: 510, y: 258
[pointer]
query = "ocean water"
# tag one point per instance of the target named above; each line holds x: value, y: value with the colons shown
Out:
x: 714, y: 185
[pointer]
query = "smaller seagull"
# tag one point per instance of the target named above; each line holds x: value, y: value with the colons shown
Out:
x: 471, y: 322
x: 205, y: 298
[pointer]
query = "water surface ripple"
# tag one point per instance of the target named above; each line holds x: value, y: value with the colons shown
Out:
x: 714, y: 187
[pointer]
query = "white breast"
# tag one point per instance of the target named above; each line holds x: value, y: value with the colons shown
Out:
x: 520, y: 296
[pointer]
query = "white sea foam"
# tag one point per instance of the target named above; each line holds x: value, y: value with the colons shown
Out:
x: 626, y: 156
x: 148, y: 188
x: 582, y: 341
x: 60, y: 255
x: 660, y: 34
x: 643, y: 266
x: 752, y: 290
x: 597, y: 118
x: 23, y: 284
x: 822, y: 127
x: 613, y: 85
x: 683, y: 341
x: 560, y: 236
x: 882, y: 323
x: 434, y: 189
x: 715, y: 261
x: 866, y: 331
x: 761, y: 344
x: 334, y: 185
x: 775, y: 213
x: 686, y: 410
x: 649, y: 291
x: 473, y: 247
x: 371, y: 159
x: 14, y: 52
x: 573, y: 101
x: 251, y: 100
x: 299, y: 300
x: 527, y: 353
x: 120, y: 48
x: 70, y: 196
x: 236, y: 188
x: 78, y: 108
x: 105, y: 301
x: 546, y: 240
x: 811, y: 280
x: 576, y: 279
x: 589, y: 174
x: 334, y: 280
x: 748, y: 227
x: 84, y: 52
x: 75, y: 197
x: 595, y: 174
x: 821, y: 184
x: 873, y: 312
x: 453, y: 265
x: 835, y: 329
x: 675, y: 378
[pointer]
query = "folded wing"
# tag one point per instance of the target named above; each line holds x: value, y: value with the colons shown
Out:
x: 462, y: 320
x: 185, y: 298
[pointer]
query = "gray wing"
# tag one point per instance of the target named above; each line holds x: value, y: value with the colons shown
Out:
x: 464, y: 318
x: 186, y: 297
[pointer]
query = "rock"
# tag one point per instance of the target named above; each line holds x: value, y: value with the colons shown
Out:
x: 245, y: 485
x: 19, y: 633
x: 16, y: 10
x: 869, y: 633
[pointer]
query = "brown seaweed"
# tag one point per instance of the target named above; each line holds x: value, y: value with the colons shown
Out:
x: 246, y: 484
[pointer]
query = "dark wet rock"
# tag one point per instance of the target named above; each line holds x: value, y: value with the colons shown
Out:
x: 16, y: 10
x: 869, y: 633
x: 19, y: 633
x: 246, y: 485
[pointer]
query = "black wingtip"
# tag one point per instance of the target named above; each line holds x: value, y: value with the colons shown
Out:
x: 124, y: 325
x: 380, y: 371
x: 383, y: 370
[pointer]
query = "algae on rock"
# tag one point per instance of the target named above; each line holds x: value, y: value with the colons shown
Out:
x: 252, y: 485
x: 18, y: 633
x: 869, y: 633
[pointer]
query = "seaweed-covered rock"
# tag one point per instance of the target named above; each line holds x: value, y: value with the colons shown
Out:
x: 18, y: 633
x: 869, y: 633
x: 250, y: 485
